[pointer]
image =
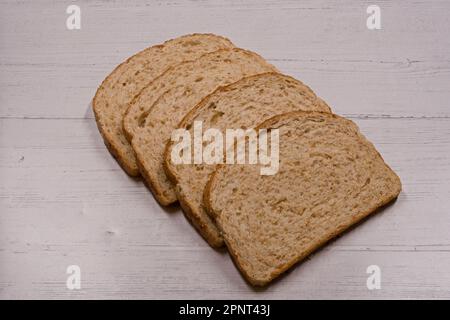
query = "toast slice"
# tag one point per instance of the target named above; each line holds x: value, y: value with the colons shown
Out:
x: 129, y: 78
x: 189, y: 83
x: 330, y: 177
x: 243, y: 104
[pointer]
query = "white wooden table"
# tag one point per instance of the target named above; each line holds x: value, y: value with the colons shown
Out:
x: 64, y: 200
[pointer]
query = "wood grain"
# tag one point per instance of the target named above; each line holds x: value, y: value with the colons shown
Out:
x: 64, y: 200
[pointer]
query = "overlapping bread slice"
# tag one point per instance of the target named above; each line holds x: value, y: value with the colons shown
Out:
x: 243, y: 104
x: 127, y: 80
x: 187, y: 84
x: 330, y: 177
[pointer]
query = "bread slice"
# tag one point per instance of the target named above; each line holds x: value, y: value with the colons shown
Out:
x: 330, y: 177
x: 128, y: 79
x: 243, y: 104
x: 189, y: 83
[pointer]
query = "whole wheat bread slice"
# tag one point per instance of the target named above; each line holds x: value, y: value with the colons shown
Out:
x: 330, y: 177
x: 129, y: 78
x: 189, y: 83
x: 243, y: 104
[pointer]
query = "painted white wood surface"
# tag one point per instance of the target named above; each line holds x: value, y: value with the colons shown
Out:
x: 64, y: 200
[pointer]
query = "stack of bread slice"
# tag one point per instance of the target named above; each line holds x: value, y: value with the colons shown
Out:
x: 329, y: 175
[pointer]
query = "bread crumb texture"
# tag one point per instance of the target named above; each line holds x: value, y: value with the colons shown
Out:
x: 330, y: 177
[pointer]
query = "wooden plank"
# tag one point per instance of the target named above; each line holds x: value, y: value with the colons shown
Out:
x: 65, y: 201
x: 154, y: 273
x: 48, y: 71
